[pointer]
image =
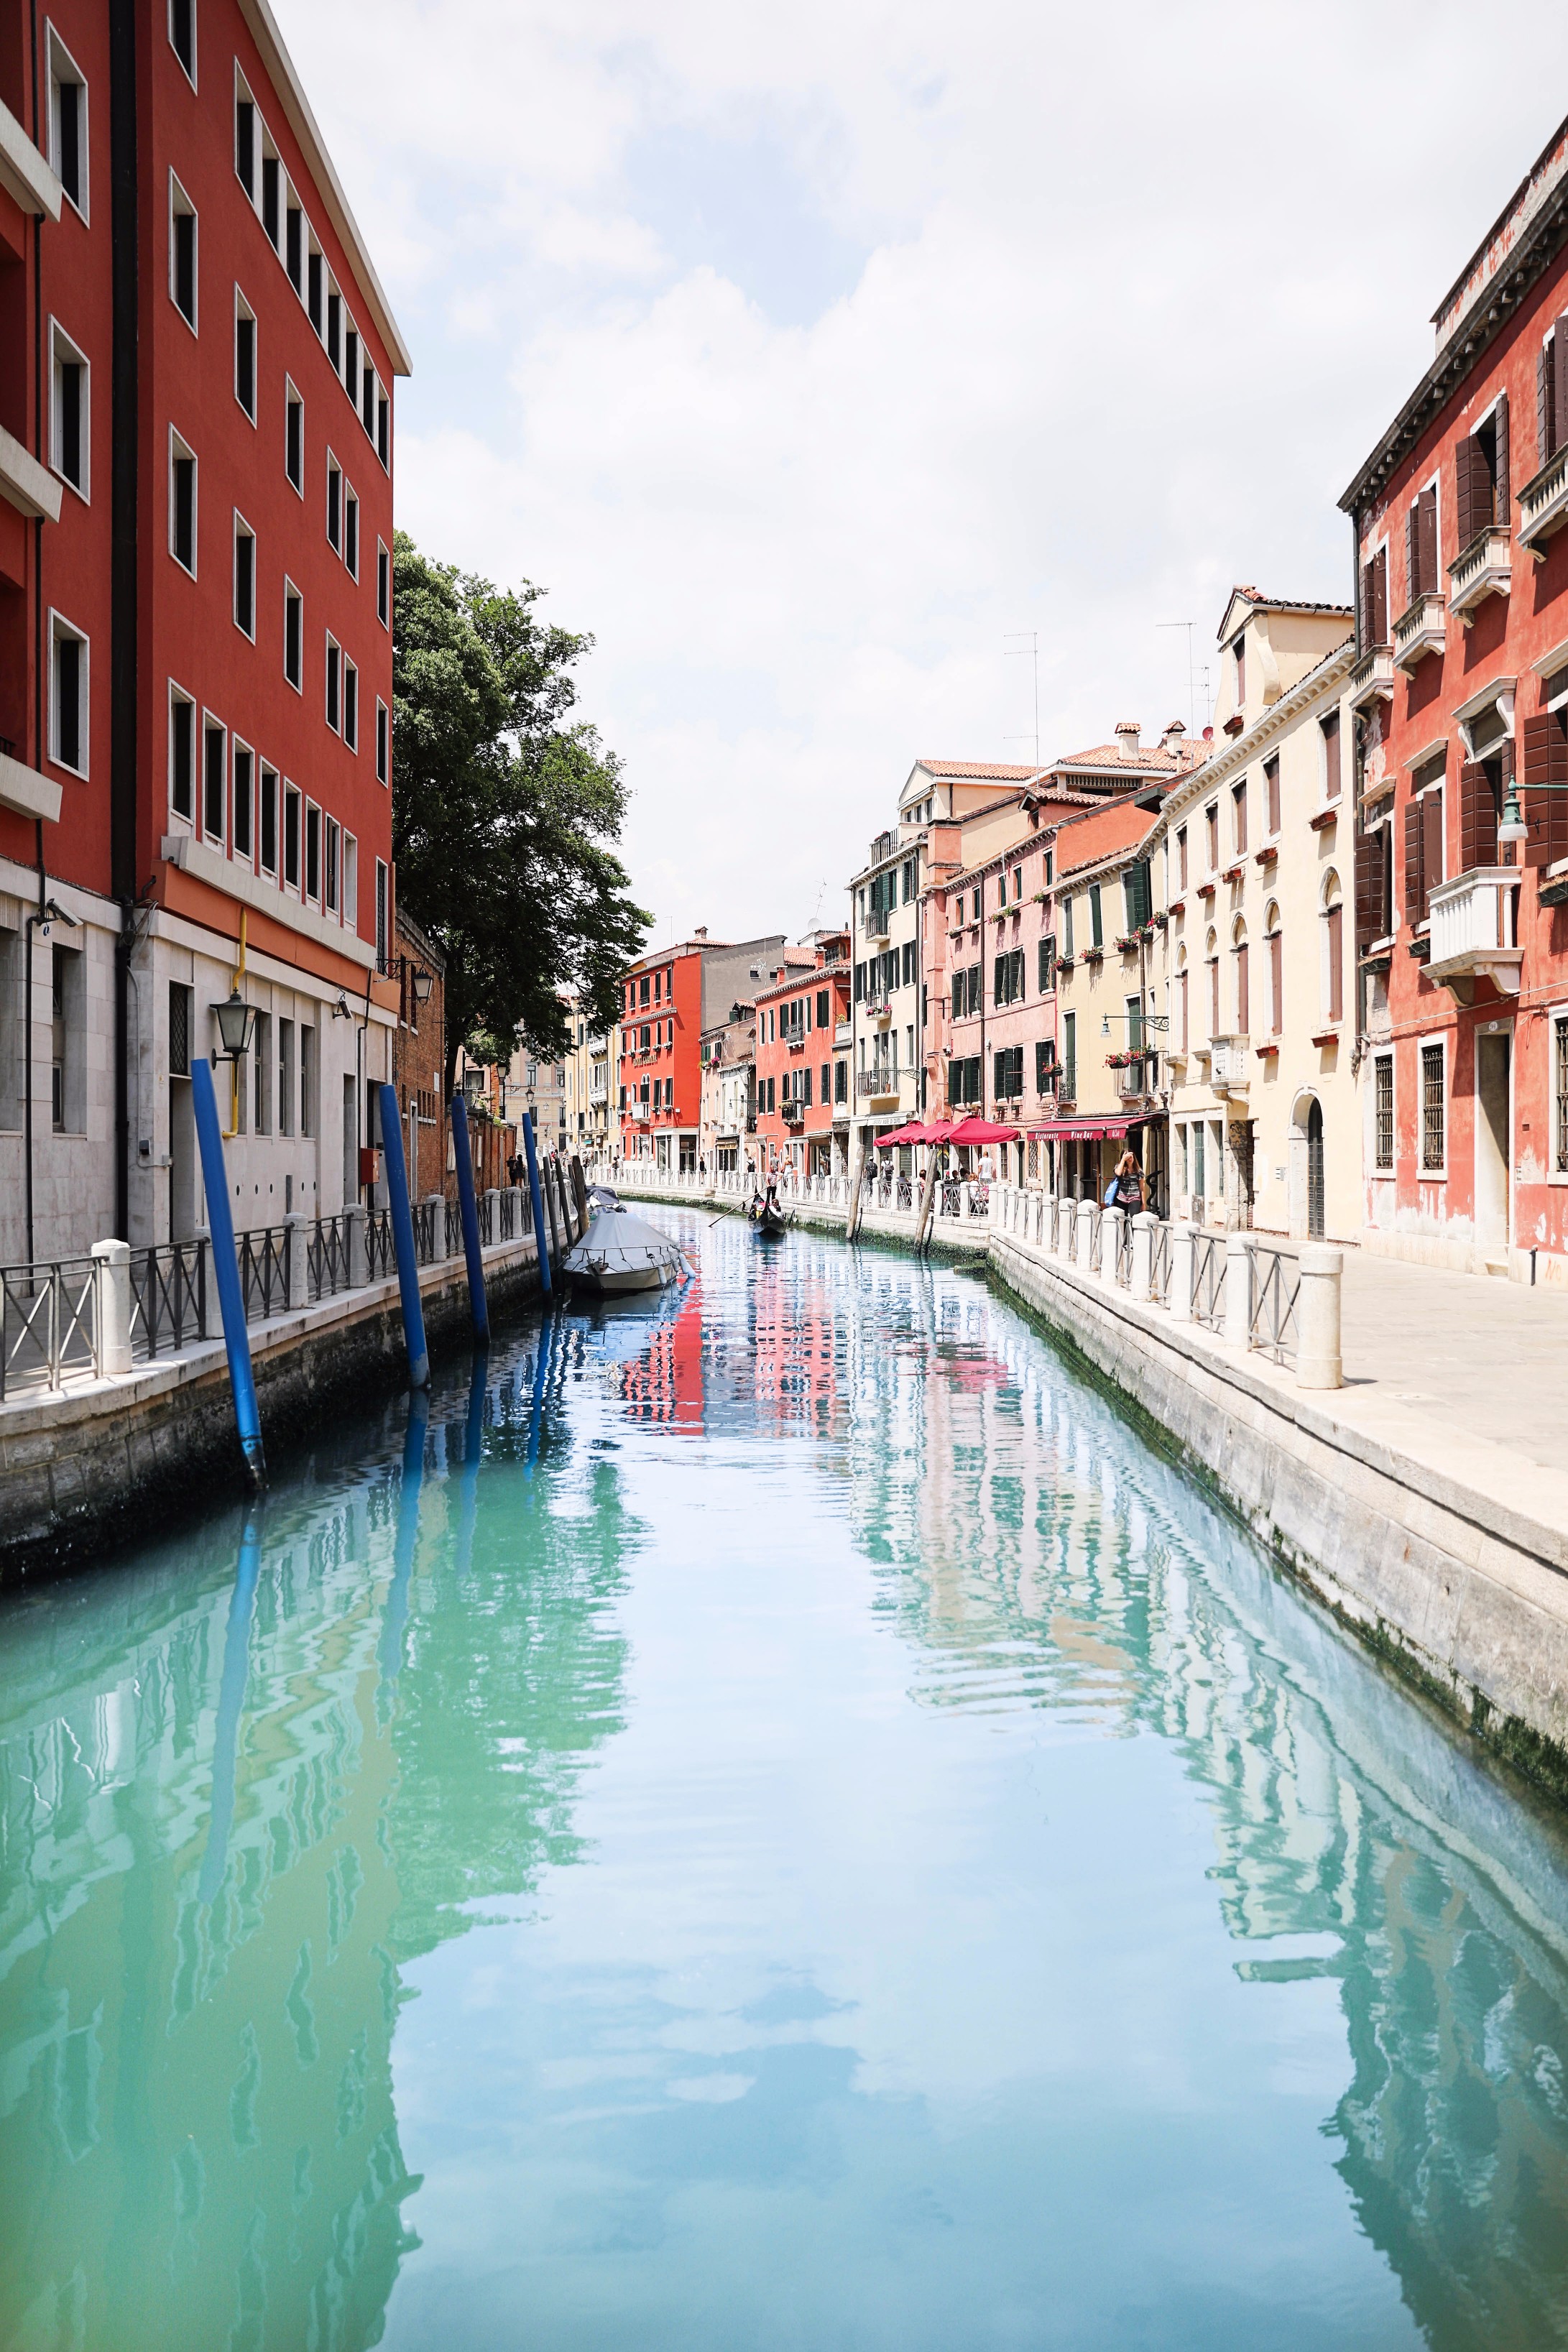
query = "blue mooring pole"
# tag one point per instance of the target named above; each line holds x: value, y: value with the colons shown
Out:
x: 403, y: 1240
x: 231, y: 1709
x: 462, y: 1152
x: 225, y: 1268
x: 541, y: 1235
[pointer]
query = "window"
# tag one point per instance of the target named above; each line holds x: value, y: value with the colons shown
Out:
x: 1241, y: 992
x: 350, y: 883
x: 215, y: 779
x: 1276, y: 974
x: 1271, y: 794
x: 1432, y: 1138
x: 1200, y: 1190
x: 334, y: 503
x: 351, y: 531
x: 351, y: 706
x: 242, y: 792
x: 244, y: 577
x: 1066, y: 930
x: 68, y: 696
x: 292, y: 836
x: 1480, y: 475
x: 293, y: 436
x: 367, y: 400
x: 381, y: 741
x: 244, y: 137
x: 313, y: 285
x: 1375, y: 601
x: 1182, y: 999
x: 285, y: 1077
x: 69, y: 439
x: 383, y: 430
x: 1048, y: 961
x: 67, y: 122
x: 1008, y: 1073
x: 1007, y: 978
x: 313, y: 851
x: 293, y: 637
x: 334, y: 846
x: 1383, y: 1106
x: 261, y: 1065
x: 334, y: 662
x: 1069, y: 1057
x: 69, y: 1024
x: 1212, y: 960
x: 383, y: 585
x: 294, y: 249
x: 1239, y: 654
x: 1137, y: 895
x: 268, y: 826
x: 350, y: 362
x: 840, y: 1082
x: 822, y: 1009
x: 1211, y: 835
x: 1422, y: 843
x: 1332, y: 774
x: 1238, y: 818
x: 1044, y: 1066
x: 182, y: 34
x: 1333, y: 949
x: 380, y: 916
x: 245, y: 354
x: 271, y: 193
x: 1096, y: 924
x: 182, y: 755
x: 182, y: 502
x: 182, y: 253
x: 307, y: 1080
x: 334, y: 327
x: 1421, y: 543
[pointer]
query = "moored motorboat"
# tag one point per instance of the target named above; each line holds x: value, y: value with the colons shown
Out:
x: 620, y: 1252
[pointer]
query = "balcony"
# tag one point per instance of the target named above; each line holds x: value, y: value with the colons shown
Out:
x: 1471, y: 933
x: 843, y: 1034
x: 1419, y: 631
x: 1544, y: 505
x: 1484, y: 569
x: 1230, y: 1065
x: 29, y: 486
x: 876, y: 1086
x: 1371, y: 680
x: 792, y: 1111
x: 1131, y: 1084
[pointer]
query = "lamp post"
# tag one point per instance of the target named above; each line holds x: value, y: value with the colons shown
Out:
x: 236, y: 1026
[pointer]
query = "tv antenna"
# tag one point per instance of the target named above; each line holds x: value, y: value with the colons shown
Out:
x: 1196, y: 675
x: 1032, y: 649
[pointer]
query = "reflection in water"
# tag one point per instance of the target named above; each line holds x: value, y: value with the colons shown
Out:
x: 806, y: 1831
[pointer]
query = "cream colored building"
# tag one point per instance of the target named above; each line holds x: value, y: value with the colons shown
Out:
x: 1253, y: 871
x: 726, y: 1129
x: 591, y: 1061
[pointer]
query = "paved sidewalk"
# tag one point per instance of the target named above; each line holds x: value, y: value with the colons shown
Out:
x: 1484, y: 1357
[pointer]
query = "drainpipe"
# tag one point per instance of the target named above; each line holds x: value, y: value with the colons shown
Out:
x: 124, y: 491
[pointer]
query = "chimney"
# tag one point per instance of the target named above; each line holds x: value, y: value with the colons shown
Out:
x: 1129, y: 737
x: 1173, y: 737
x: 700, y: 933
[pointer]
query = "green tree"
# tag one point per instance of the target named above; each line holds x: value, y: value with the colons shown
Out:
x: 504, y: 809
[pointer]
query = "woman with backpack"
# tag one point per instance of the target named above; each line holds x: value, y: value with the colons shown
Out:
x: 1126, y: 1190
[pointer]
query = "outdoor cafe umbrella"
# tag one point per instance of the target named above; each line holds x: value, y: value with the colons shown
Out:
x: 981, y: 1131
x: 913, y: 1133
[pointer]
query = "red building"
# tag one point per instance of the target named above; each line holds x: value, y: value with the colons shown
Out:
x: 197, y: 362
x: 671, y: 995
x: 1461, y: 691
x: 803, y: 1059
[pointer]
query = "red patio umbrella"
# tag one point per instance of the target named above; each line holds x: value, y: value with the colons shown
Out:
x: 913, y: 1133
x: 982, y: 1130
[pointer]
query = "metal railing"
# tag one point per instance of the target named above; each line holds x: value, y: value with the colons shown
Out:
x: 424, y: 1216
x: 1208, y: 1280
x: 1122, y: 1270
x: 380, y: 1255
x: 47, y: 1323
x: 1276, y: 1287
x: 168, y: 1298
x: 263, y: 1255
x: 327, y: 1257
x: 1160, y: 1264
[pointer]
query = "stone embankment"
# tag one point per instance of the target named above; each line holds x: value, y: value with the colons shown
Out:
x: 1448, y: 1554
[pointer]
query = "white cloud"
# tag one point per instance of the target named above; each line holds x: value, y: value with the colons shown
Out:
x: 1099, y: 313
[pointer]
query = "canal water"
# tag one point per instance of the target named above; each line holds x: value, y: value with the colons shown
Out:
x: 771, y: 1819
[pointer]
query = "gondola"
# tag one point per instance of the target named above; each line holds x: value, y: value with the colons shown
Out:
x: 770, y: 1223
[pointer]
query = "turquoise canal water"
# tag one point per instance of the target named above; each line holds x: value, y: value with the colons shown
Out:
x: 770, y: 1820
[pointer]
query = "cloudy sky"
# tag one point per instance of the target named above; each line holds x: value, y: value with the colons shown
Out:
x: 804, y: 354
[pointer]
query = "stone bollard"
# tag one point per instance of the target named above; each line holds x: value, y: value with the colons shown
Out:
x: 356, y: 1234
x: 295, y: 1258
x: 111, y: 1276
x: 514, y: 1220
x: 492, y: 1197
x: 1318, y: 1360
x: 1180, y: 1301
x: 1084, y: 1228
x: 437, y: 1204
x: 1238, y: 1248
x: 1110, y: 1224
x: 1145, y: 1224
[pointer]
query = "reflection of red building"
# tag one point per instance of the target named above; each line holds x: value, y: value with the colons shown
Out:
x: 803, y: 1072
x: 665, y: 1382
x: 795, y: 1350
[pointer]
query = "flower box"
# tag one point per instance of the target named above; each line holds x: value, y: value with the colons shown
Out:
x: 1094, y: 955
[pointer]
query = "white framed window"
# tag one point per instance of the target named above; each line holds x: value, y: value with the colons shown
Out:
x: 182, y: 502
x: 350, y: 530
x: 293, y: 637
x: 1333, y: 927
x: 312, y: 853
x: 243, y: 576
x: 350, y: 358
x: 291, y: 837
x: 383, y: 430
x: 183, y: 36
x: 335, y: 504
x: 383, y: 740
x: 367, y: 399
x: 70, y: 437
x: 1432, y: 1144
x: 267, y: 823
x: 215, y: 779
x: 245, y: 131
x: 334, y: 323
x: 273, y: 181
x: 1557, y: 1080
x: 245, y: 354
x: 1383, y: 1114
x: 331, y: 852
x: 67, y: 122
x: 182, y: 755
x: 293, y: 435
x: 68, y: 665
x: 242, y: 802
x: 351, y: 705
x: 183, y: 253
x: 315, y: 264
x: 380, y: 916
x: 334, y: 686
x: 383, y: 585
x: 351, y: 881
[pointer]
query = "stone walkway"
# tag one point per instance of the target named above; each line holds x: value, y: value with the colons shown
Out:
x: 1483, y: 1358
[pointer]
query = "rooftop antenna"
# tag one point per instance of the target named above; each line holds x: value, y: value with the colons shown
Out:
x: 1017, y: 654
x: 1197, y: 674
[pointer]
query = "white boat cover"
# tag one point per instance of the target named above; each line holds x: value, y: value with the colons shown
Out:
x: 619, y: 1251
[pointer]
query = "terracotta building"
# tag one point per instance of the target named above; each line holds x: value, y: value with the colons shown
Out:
x: 1461, y: 698
x: 196, y: 361
x: 801, y: 1062
x: 670, y: 996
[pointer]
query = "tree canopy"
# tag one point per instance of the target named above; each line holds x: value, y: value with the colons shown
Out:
x: 504, y: 809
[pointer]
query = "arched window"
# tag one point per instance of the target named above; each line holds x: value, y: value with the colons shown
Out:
x: 1211, y: 957
x: 1275, y: 970
x: 1240, y: 990
x: 1334, y: 954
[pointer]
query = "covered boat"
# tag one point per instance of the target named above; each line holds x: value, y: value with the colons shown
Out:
x: 619, y: 1251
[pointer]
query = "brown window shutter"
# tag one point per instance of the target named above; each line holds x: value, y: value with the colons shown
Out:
x: 1500, y: 504
x: 1380, y: 595
x: 1464, y: 490
x: 1478, y: 817
x: 1426, y: 539
x: 1412, y: 555
x: 1365, y: 616
x: 1336, y: 920
x: 1414, y: 880
x: 1331, y: 775
x: 1559, y: 364
x: 1433, y: 861
x: 1369, y: 887
x: 1545, y: 403
x: 1546, y: 763
x: 1272, y: 783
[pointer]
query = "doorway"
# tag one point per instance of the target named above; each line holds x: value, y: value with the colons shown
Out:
x: 351, y: 1138
x: 182, y: 1160
x: 1315, y: 1170
x: 1493, y: 1133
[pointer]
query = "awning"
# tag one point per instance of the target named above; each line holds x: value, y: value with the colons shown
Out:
x: 1085, y: 1130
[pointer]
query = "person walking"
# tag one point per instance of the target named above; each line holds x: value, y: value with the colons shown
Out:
x: 1127, y: 1190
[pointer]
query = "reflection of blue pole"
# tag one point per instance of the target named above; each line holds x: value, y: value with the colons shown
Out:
x: 230, y: 1707
x: 403, y: 1239
x: 473, y: 1445
x: 542, y: 1239
x: 390, y: 1648
x: 226, y: 1266
x: 462, y: 1152
x: 540, y: 1373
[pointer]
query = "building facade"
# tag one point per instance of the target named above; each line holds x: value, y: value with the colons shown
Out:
x: 196, y: 366
x: 1460, y: 694
x: 1251, y: 872
x: 802, y: 1072
x: 670, y: 996
x: 728, y: 1128
x: 419, y: 1055
x: 590, y: 1061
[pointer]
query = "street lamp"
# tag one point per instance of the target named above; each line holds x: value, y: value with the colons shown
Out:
x: 236, y: 1026
x: 423, y: 981
x: 1512, y: 827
